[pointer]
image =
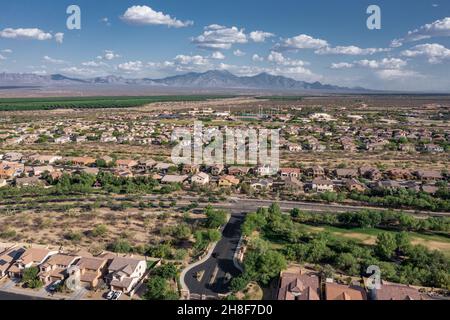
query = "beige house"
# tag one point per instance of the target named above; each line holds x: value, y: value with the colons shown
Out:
x: 91, y: 271
x: 200, y: 178
x: 31, y: 257
x: 55, y: 268
x: 125, y: 273
x: 228, y: 181
x: 7, y: 258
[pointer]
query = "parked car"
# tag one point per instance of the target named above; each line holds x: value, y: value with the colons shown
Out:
x: 110, y: 295
x: 117, y: 295
x: 54, y: 286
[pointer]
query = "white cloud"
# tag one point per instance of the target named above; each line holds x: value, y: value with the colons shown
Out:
x: 131, y: 66
x: 220, y: 37
x: 59, y: 37
x: 94, y: 64
x: 395, y: 74
x: 386, y: 63
x: 108, y: 55
x: 7, y: 51
x: 239, y: 53
x: 257, y: 58
x: 2, y: 57
x: 218, y: 55
x: 78, y: 71
x: 193, y: 60
x: 54, y: 61
x: 302, y: 41
x: 342, y: 65
x: 280, y: 59
x: 435, y: 52
x: 145, y: 15
x: 106, y: 21
x: 438, y: 28
x: 350, y: 50
x: 298, y: 73
x: 260, y: 36
x: 25, y: 33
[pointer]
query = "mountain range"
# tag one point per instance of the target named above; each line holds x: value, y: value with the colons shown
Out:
x: 214, y: 79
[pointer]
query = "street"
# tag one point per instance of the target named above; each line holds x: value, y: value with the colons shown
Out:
x: 219, y: 269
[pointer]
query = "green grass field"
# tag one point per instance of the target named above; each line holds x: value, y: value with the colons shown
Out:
x: 21, y: 104
x: 368, y: 236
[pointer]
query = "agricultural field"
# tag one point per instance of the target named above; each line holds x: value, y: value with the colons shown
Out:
x: 22, y: 104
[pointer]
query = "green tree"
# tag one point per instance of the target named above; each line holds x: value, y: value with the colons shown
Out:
x: 120, y: 246
x: 30, y: 278
x: 158, y: 289
x: 167, y: 271
x: 385, y: 245
x: 215, y: 218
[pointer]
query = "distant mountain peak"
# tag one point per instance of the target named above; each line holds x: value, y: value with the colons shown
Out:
x: 212, y: 79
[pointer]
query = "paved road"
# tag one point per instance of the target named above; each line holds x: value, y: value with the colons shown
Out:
x: 219, y: 269
x: 251, y: 205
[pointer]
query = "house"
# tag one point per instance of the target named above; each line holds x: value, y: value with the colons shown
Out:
x: 217, y: 169
x: 126, y: 164
x: 6, y: 173
x: 63, y: 140
x: 38, y: 171
x: 262, y: 184
x: 394, y: 291
x: 9, y: 170
x: 123, y: 173
x: 289, y: 185
x: 428, y: 175
x: 174, y: 179
x: 388, y: 185
x: 370, y: 173
x: 200, y: 178
x: 7, y: 258
x: 91, y: 271
x: 228, y: 181
x: 334, y: 291
x: 290, y: 172
x: 56, y: 267
x: 399, y: 174
x: 29, y: 181
x: 265, y: 170
x: 316, y: 171
x: 298, y: 287
x: 31, y: 257
x: 355, y: 185
x: 163, y: 167
x: 12, y: 156
x: 322, y: 185
x: 238, y: 171
x: 146, y: 165
x: 125, y: 273
x: 190, y: 169
x: 83, y: 161
x: 45, y: 159
x: 346, y: 173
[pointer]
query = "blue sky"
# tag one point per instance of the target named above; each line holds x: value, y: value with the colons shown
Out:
x: 319, y: 40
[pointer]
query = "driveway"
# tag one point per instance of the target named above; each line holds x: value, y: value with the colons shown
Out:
x: 219, y: 269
